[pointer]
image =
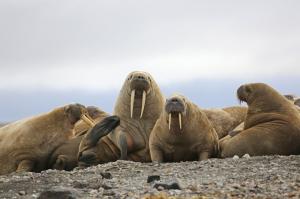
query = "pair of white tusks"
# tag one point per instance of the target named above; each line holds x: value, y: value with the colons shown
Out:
x: 132, y: 103
x: 179, y: 119
x: 88, y: 120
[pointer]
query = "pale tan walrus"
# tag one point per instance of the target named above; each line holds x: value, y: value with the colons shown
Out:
x: 182, y: 133
x: 25, y: 145
x: 64, y: 157
x: 138, y: 106
x: 272, y: 124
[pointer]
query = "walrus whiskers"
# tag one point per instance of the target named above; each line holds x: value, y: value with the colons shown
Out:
x: 89, y: 121
x: 132, y: 102
x: 170, y: 119
x: 180, y: 123
x: 143, y: 103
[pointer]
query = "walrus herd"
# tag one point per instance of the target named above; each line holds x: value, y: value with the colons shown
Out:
x: 145, y: 126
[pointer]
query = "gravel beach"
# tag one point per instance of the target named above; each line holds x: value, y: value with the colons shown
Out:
x: 254, y: 177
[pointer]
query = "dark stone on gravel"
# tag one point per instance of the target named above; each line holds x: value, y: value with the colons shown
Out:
x: 106, y: 175
x: 57, y: 194
x: 153, y: 178
x: 160, y: 186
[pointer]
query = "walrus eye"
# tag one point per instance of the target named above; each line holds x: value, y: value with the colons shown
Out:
x: 248, y: 89
x: 149, y: 79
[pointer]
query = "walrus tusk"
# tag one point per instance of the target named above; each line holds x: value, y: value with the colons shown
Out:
x: 170, y: 119
x: 88, y: 120
x: 143, y: 103
x: 180, y: 124
x: 132, y: 102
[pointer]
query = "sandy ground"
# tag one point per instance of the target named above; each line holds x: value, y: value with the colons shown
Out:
x: 255, y: 177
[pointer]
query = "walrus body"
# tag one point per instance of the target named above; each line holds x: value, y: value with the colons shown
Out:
x: 138, y: 106
x: 226, y: 119
x: 272, y: 125
x: 25, y: 145
x: 65, y: 156
x: 182, y: 133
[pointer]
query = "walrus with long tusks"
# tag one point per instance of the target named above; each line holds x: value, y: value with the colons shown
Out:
x: 138, y: 106
x: 272, y: 125
x: 182, y: 133
x: 26, y: 145
x: 64, y: 157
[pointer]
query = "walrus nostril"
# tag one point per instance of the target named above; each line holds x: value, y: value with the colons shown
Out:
x: 140, y: 77
x: 174, y: 100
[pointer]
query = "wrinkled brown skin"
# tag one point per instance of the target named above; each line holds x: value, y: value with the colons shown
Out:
x: 272, y: 125
x: 226, y: 119
x: 26, y: 145
x: 197, y: 140
x: 240, y: 127
x: 65, y: 156
x: 131, y: 138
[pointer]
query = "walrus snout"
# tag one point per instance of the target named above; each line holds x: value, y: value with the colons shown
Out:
x: 87, y: 158
x: 243, y: 93
x: 174, y: 105
x: 297, y: 102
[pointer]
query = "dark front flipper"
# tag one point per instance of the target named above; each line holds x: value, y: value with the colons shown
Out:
x: 123, y: 146
x: 25, y: 166
x: 98, y: 131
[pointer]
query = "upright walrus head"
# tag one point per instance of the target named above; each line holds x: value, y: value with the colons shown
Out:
x: 88, y: 153
x: 138, y: 86
x: 175, y: 107
x: 260, y: 95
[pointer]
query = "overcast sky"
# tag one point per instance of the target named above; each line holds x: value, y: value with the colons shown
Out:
x: 62, y: 44
x: 91, y: 45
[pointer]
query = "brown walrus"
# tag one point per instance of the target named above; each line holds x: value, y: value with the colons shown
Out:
x: 182, y: 133
x: 25, y: 145
x: 227, y: 119
x: 65, y: 156
x: 272, y: 125
x: 138, y: 106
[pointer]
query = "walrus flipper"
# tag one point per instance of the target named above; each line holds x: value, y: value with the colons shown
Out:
x: 25, y: 165
x: 123, y: 146
x: 101, y: 129
x: 204, y: 155
x: 156, y: 153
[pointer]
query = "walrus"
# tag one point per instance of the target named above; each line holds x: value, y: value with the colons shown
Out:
x: 64, y: 157
x: 138, y: 106
x: 25, y: 145
x: 240, y: 127
x: 226, y: 119
x: 182, y: 133
x: 272, y: 124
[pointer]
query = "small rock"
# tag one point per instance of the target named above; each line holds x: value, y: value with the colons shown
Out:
x: 153, y: 178
x: 22, y: 193
x: 106, y: 175
x: 235, y: 157
x: 247, y: 156
x: 173, y: 185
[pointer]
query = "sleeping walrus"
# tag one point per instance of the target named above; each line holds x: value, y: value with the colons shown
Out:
x: 64, y: 157
x: 138, y: 106
x: 182, y: 133
x: 272, y: 125
x: 26, y: 145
